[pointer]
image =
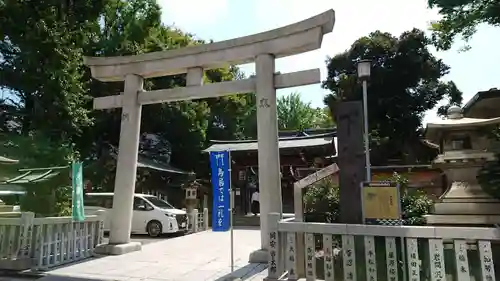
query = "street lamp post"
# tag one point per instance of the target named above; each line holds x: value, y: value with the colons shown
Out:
x: 364, y: 67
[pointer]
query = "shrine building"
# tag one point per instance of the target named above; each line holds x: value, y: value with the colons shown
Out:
x: 305, y: 152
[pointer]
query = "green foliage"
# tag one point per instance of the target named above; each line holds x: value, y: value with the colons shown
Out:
x: 415, y: 204
x: 489, y: 175
x: 461, y: 18
x: 35, y: 150
x: 405, y: 83
x: 44, y: 199
x: 9, y: 200
x: 489, y: 178
x: 295, y: 114
x: 134, y: 27
x: 41, y: 65
x: 49, y: 90
x: 321, y: 202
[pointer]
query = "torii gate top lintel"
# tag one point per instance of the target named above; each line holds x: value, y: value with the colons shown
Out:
x: 289, y: 40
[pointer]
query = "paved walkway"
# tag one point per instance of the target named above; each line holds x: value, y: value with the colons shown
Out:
x: 195, y: 257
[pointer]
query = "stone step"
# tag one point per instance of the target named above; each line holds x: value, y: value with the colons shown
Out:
x: 462, y: 219
x: 246, y: 220
x: 467, y: 208
x: 251, y: 220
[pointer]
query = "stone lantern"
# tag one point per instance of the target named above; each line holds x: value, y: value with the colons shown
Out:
x: 464, y: 145
x: 191, y: 192
x: 191, y: 195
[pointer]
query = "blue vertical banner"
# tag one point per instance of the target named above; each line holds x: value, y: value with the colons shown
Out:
x: 221, y: 181
x: 78, y: 212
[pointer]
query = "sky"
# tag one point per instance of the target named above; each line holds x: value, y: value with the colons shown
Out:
x: 219, y: 20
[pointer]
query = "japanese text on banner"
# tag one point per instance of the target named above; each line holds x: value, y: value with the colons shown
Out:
x: 220, y: 165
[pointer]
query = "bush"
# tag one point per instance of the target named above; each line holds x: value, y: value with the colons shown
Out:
x: 415, y: 204
x: 46, y: 200
x: 321, y: 202
x: 9, y: 200
x: 489, y: 178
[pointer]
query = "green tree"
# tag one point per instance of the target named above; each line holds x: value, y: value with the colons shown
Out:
x: 295, y: 114
x: 41, y: 63
x: 50, y: 89
x: 134, y: 27
x: 405, y: 83
x: 231, y: 117
x: 45, y: 92
x: 35, y: 150
x: 461, y: 18
x: 323, y: 118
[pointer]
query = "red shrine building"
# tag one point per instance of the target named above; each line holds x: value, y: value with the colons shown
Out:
x: 305, y: 152
x: 299, y: 152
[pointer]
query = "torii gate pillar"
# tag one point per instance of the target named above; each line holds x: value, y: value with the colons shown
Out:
x: 126, y: 167
x: 263, y: 48
x: 268, y: 150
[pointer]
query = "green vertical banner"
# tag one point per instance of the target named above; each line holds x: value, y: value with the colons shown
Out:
x: 78, y: 212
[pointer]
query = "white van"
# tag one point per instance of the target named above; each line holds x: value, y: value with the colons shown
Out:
x: 151, y: 215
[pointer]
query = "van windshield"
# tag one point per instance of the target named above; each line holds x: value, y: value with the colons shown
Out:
x: 159, y: 203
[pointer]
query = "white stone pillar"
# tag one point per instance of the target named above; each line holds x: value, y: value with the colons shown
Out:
x: 126, y: 168
x: 194, y: 77
x: 205, y: 219
x: 267, y: 136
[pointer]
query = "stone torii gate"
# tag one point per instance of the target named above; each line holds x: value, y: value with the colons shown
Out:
x: 262, y: 48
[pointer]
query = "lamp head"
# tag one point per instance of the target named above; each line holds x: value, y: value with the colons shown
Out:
x: 364, y: 69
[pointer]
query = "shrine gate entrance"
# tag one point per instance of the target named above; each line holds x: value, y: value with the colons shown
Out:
x: 262, y: 48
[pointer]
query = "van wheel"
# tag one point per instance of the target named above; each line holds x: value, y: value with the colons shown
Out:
x: 154, y: 228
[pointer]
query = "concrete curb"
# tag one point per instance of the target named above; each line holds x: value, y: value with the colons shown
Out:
x: 14, y: 276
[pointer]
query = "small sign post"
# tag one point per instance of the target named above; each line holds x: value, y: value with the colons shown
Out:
x: 223, y: 201
x: 381, y: 205
x: 78, y: 211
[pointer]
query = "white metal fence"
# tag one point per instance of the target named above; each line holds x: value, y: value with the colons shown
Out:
x: 198, y: 221
x: 389, y: 253
x: 48, y: 242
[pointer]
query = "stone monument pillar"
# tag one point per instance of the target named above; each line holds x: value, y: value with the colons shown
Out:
x: 463, y: 152
x: 351, y: 160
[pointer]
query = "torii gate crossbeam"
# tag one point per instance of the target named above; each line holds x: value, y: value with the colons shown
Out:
x: 263, y: 49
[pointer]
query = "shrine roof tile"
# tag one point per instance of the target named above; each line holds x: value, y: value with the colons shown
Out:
x: 143, y: 162
x: 150, y: 163
x: 33, y: 176
x: 5, y: 160
x: 483, y: 104
x: 284, y: 143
